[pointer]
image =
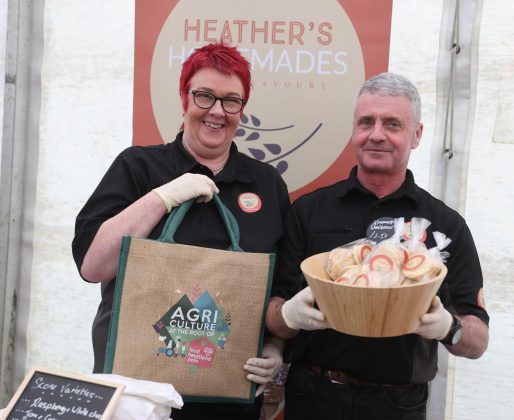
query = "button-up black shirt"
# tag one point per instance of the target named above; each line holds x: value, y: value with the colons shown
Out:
x: 138, y: 170
x: 342, y: 213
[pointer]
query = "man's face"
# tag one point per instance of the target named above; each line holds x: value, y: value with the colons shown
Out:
x: 384, y: 133
x: 210, y: 131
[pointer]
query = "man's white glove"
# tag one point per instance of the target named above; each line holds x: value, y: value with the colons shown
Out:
x: 436, y: 323
x: 184, y: 188
x: 263, y: 370
x: 299, y: 312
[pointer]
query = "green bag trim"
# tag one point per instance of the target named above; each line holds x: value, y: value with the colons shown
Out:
x: 116, y: 303
x: 178, y: 213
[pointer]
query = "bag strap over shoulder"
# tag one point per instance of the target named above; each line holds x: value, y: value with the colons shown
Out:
x: 178, y: 213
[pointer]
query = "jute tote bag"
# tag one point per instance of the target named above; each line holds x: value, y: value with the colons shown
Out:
x: 188, y: 315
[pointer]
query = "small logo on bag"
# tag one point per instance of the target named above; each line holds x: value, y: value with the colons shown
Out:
x: 249, y: 202
x: 201, y: 353
x: 193, y: 331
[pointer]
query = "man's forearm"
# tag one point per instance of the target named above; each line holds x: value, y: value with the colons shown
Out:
x: 275, y: 322
x: 475, y: 338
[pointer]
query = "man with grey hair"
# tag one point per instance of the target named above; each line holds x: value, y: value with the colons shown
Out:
x: 335, y: 375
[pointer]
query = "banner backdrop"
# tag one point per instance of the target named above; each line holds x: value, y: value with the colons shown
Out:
x: 308, y: 59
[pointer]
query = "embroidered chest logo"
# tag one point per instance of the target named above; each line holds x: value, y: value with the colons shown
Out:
x: 481, y: 298
x: 193, y: 330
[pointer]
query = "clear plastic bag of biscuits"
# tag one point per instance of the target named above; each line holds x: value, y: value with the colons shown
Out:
x: 423, y: 264
x: 346, y: 258
x: 386, y: 258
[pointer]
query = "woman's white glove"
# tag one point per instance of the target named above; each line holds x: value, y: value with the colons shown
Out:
x: 436, y: 323
x: 184, y: 188
x: 299, y: 312
x: 263, y: 370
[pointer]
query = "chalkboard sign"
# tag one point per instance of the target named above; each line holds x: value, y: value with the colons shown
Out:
x: 49, y: 395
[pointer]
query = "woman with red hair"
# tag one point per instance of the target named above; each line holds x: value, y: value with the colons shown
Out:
x: 144, y: 183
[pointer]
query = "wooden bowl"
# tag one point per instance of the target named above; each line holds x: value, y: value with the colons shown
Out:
x: 369, y: 311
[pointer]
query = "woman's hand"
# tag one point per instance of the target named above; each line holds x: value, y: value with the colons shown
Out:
x: 263, y: 370
x: 185, y: 187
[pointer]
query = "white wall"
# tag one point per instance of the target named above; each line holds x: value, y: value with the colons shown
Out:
x: 86, y: 119
x: 414, y: 52
x: 481, y: 388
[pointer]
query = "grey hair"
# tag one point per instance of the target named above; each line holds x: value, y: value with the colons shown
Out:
x: 395, y: 85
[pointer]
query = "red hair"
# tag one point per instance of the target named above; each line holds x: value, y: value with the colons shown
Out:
x: 218, y: 56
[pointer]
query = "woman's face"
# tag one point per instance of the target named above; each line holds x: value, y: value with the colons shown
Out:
x: 209, y: 132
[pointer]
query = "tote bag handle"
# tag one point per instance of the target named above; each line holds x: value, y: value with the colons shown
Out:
x: 178, y: 213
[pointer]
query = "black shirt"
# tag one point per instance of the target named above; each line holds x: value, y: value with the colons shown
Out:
x: 341, y: 213
x: 138, y: 170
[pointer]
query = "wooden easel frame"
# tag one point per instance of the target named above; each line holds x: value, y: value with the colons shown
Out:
x: 109, y: 409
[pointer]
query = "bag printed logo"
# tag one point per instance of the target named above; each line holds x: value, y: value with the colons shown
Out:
x: 193, y: 330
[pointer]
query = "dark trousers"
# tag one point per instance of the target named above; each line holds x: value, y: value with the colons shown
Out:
x: 310, y: 396
x: 218, y: 411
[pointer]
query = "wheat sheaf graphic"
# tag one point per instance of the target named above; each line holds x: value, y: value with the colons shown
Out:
x: 250, y: 130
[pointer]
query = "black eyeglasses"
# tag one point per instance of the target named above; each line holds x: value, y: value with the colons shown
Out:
x: 206, y: 100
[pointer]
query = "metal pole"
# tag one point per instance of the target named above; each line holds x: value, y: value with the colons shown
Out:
x: 12, y: 178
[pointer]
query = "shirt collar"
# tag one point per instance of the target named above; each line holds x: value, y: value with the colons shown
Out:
x: 234, y: 170
x: 408, y: 189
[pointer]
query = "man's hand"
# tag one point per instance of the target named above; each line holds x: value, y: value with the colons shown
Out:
x: 299, y: 313
x: 186, y: 187
x: 263, y: 370
x: 436, y: 323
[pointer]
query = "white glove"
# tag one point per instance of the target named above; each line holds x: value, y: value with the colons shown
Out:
x: 263, y: 370
x: 436, y: 323
x: 299, y: 313
x: 184, y: 188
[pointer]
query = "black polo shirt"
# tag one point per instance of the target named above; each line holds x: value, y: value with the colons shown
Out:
x: 138, y: 170
x: 341, y: 213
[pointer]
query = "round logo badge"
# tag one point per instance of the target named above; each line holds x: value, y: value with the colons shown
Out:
x: 481, y: 298
x: 249, y: 202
